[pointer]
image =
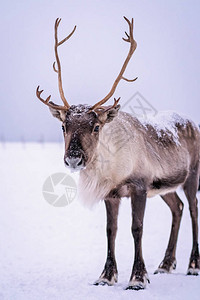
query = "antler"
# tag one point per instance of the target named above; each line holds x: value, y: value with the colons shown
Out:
x: 133, y: 46
x: 58, y: 71
x: 57, y: 44
x: 47, y: 102
x: 106, y: 108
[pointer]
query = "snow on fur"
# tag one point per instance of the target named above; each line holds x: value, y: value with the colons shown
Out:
x: 165, y: 123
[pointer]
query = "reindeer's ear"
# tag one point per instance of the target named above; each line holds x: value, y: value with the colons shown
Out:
x: 59, y: 114
x: 108, y: 114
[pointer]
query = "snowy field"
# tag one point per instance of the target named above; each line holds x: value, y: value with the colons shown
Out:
x: 57, y: 253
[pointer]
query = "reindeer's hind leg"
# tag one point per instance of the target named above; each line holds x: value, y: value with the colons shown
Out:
x: 176, y: 206
x: 190, y: 189
x: 109, y: 274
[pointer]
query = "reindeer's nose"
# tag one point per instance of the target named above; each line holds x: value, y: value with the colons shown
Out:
x: 74, y: 163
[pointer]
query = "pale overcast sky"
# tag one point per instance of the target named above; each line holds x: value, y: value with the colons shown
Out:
x: 166, y: 60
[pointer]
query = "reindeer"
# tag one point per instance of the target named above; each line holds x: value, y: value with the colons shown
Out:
x: 154, y: 159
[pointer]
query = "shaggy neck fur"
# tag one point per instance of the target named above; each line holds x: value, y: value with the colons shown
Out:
x: 110, y: 163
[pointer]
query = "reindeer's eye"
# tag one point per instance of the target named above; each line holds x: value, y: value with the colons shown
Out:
x: 96, y: 128
x: 63, y: 128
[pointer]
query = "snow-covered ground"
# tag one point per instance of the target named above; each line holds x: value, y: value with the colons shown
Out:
x: 49, y: 252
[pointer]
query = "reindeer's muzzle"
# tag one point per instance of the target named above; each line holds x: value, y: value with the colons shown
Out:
x: 74, y: 163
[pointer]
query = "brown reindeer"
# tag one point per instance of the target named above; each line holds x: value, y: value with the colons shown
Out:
x: 143, y: 159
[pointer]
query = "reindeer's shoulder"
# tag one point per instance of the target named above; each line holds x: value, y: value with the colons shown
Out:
x: 126, y: 120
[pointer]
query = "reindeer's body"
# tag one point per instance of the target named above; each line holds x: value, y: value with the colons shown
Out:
x: 158, y: 156
x: 119, y: 156
x: 138, y: 160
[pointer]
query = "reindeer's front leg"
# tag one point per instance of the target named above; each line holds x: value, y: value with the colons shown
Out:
x: 109, y: 274
x: 139, y: 275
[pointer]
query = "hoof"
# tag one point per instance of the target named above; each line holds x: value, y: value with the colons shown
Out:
x: 105, y: 281
x: 165, y: 268
x: 98, y: 282
x: 137, y: 285
x: 194, y: 267
x: 194, y: 272
x: 160, y: 271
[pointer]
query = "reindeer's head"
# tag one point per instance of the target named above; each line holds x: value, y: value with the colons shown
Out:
x: 81, y: 124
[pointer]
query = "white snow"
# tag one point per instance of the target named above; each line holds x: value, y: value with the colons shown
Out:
x: 164, y: 123
x: 78, y: 110
x: 57, y: 253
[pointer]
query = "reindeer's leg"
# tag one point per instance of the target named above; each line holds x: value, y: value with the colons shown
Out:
x: 190, y: 189
x: 139, y: 275
x: 109, y: 274
x: 176, y: 206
